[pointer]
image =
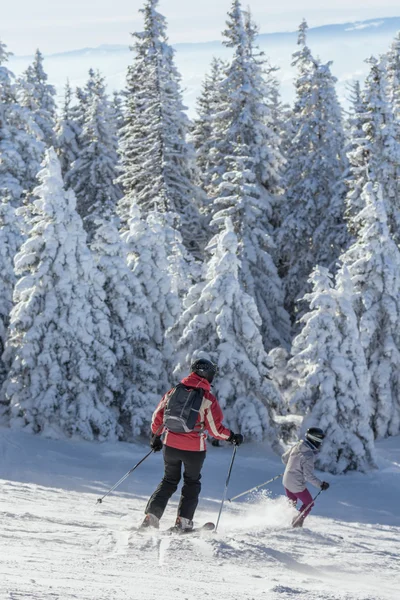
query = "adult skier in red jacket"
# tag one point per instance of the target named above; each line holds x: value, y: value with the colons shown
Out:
x: 187, y: 449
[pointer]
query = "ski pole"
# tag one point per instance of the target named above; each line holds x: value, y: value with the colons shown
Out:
x: 100, y: 500
x: 226, y: 487
x: 299, y: 516
x: 255, y: 488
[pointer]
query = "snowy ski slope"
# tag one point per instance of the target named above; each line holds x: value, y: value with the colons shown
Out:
x: 57, y: 543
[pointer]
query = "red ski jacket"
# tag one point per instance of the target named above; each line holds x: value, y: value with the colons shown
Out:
x: 210, y: 419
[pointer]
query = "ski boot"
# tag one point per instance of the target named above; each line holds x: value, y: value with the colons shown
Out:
x: 182, y: 525
x: 150, y: 521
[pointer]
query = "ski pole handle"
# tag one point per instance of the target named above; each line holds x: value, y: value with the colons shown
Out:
x: 255, y: 488
x: 100, y: 500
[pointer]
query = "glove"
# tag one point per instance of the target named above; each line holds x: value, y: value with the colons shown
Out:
x: 324, y: 485
x: 236, y: 439
x: 156, y: 443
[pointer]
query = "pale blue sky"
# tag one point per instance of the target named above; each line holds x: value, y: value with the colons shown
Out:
x: 56, y: 26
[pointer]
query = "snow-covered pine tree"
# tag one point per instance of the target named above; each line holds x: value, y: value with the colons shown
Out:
x: 330, y: 370
x: 265, y: 78
x: 203, y: 134
x: 136, y: 369
x: 182, y: 267
x: 118, y: 111
x: 221, y: 321
x: 244, y: 116
x: 241, y: 200
x: 84, y: 95
x: 312, y: 230
x: 95, y: 85
x: 78, y: 110
x: 393, y: 75
x: 157, y: 162
x: 382, y: 132
x: 374, y: 265
x: 20, y: 152
x: 278, y: 110
x: 76, y: 115
x: 357, y: 151
x: 246, y: 165
x: 59, y: 349
x: 38, y: 96
x: 11, y: 165
x: 92, y: 175
x: 304, y: 63
x: 67, y: 133
x: 280, y: 113
x: 10, y: 241
x: 148, y: 250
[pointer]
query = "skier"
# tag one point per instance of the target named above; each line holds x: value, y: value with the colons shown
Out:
x: 299, y: 462
x: 187, y: 448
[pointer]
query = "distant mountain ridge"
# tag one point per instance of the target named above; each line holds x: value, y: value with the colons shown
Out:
x: 349, y: 30
x: 345, y: 45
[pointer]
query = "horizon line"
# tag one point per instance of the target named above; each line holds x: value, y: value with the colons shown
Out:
x: 209, y: 42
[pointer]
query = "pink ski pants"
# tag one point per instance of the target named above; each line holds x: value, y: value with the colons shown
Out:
x: 304, y: 496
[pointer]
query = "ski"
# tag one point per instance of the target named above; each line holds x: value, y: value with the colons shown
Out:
x: 209, y: 526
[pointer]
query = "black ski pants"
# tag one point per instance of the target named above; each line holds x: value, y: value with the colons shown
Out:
x: 173, y: 461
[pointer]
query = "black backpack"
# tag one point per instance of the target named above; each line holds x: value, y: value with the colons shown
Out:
x: 182, y: 408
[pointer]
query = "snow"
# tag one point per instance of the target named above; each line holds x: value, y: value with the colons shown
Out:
x: 56, y: 542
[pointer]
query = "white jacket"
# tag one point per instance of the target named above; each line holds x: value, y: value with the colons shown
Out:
x: 299, y: 462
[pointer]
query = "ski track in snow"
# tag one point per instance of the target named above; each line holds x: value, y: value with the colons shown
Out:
x: 59, y: 544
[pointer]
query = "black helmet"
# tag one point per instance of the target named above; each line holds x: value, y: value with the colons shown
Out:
x: 315, y: 436
x: 204, y: 368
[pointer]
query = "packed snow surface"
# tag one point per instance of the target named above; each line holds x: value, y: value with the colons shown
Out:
x: 56, y: 542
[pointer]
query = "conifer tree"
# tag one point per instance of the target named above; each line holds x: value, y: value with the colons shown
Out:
x: 118, y: 111
x: 312, y: 230
x: 221, y: 321
x: 374, y: 265
x: 78, y: 113
x: 92, y: 175
x: 78, y: 109
x: 244, y: 116
x: 38, y: 96
x: 10, y: 240
x: 393, y: 76
x: 59, y: 349
x: 203, y: 131
x: 357, y: 151
x: 183, y: 268
x: 304, y: 62
x: 278, y: 110
x: 157, y: 163
x: 94, y: 85
x: 247, y: 165
x: 20, y: 152
x: 137, y: 360
x: 147, y: 244
x: 241, y: 200
x: 332, y: 377
x: 382, y: 132
x: 67, y: 133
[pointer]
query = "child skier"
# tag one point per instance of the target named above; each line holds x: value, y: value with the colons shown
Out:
x: 299, y: 462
